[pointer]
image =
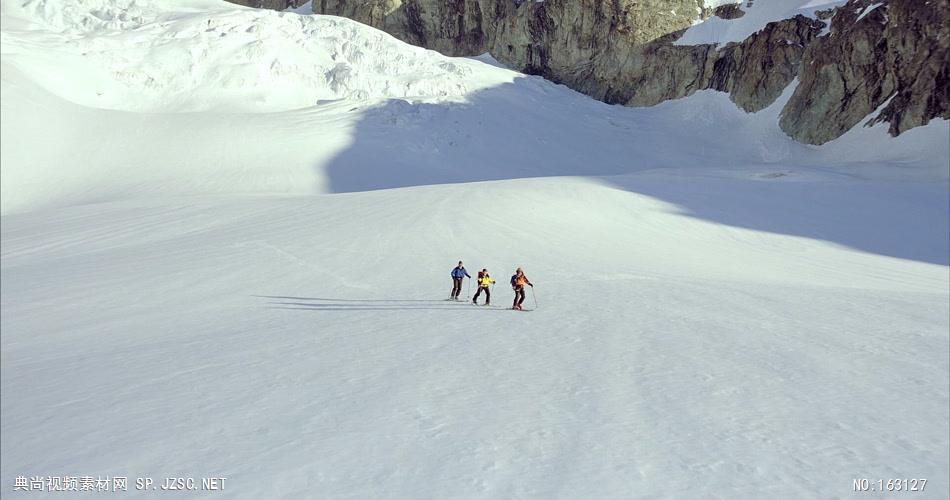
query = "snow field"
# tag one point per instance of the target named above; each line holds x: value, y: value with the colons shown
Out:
x: 212, y: 266
x: 301, y: 345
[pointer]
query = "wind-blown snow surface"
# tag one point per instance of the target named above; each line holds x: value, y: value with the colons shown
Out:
x: 719, y: 312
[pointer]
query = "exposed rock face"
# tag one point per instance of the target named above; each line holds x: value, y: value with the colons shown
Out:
x: 547, y: 38
x: 897, y: 52
x: 621, y: 51
x: 753, y: 72
x: 618, y: 51
x: 729, y: 11
x: 270, y: 4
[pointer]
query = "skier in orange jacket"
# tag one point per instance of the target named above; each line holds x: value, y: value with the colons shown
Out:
x: 518, y: 281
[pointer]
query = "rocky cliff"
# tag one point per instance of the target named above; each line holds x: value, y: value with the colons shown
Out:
x: 270, y: 4
x: 622, y: 51
x: 894, y: 54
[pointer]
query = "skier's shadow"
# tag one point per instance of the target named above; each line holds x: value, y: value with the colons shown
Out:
x: 328, y: 304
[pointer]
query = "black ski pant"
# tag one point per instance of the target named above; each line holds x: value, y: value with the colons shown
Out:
x: 456, y: 287
x: 519, y: 296
x: 487, y: 294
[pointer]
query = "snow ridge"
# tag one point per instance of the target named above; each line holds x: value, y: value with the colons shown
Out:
x: 201, y: 55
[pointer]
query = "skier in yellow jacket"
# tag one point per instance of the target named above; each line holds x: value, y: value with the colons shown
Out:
x: 484, y: 283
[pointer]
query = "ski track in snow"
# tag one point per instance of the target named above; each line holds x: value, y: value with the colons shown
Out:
x: 215, y: 267
x: 236, y: 338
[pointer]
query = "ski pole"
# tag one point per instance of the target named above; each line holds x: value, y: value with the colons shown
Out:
x: 468, y: 288
x: 535, y: 297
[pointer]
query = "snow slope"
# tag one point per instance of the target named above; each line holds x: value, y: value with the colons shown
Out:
x: 300, y: 347
x: 210, y: 278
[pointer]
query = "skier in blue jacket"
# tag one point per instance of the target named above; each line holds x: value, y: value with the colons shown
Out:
x: 458, y: 274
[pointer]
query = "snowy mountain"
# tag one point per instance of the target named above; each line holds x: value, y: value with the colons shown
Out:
x: 226, y: 243
x: 857, y: 60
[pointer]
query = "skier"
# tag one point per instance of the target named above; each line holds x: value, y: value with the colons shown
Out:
x: 484, y: 282
x: 518, y: 281
x: 458, y: 274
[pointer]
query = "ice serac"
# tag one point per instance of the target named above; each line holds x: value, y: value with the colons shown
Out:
x: 894, y: 54
x: 623, y: 52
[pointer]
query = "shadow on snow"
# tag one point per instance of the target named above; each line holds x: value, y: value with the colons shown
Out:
x: 532, y: 128
x: 324, y: 304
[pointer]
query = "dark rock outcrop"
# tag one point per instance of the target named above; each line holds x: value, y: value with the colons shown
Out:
x: 270, y: 4
x: 753, y: 72
x: 729, y: 11
x: 898, y: 54
x: 523, y: 34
